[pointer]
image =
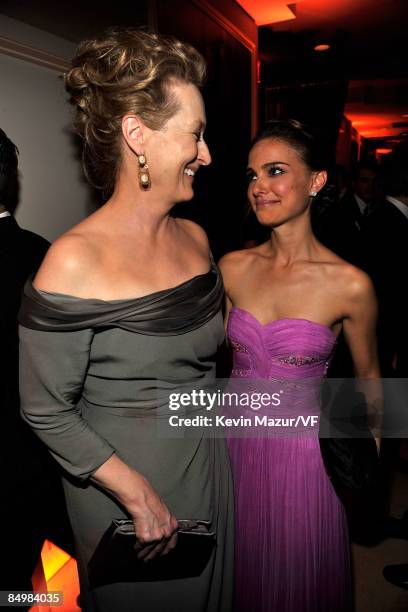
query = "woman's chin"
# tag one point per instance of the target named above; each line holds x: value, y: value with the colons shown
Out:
x: 186, y: 196
x: 268, y: 220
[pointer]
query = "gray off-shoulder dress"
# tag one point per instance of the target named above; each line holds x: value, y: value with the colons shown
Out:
x: 88, y: 375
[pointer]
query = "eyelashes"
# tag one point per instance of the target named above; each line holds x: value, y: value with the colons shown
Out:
x: 271, y: 172
x: 275, y: 171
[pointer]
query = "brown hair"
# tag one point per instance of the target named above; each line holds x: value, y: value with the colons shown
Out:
x: 124, y: 71
x: 310, y: 148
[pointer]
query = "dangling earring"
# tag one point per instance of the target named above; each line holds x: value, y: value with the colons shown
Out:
x: 313, y: 194
x: 144, y: 176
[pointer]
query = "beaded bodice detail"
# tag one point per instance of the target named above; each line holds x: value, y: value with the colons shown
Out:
x: 287, y: 348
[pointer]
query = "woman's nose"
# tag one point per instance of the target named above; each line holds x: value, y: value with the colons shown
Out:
x: 258, y: 185
x: 204, y: 154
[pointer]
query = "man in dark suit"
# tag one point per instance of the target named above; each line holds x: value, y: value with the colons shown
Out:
x: 347, y: 218
x: 21, y: 253
x: 29, y: 481
x: 384, y: 243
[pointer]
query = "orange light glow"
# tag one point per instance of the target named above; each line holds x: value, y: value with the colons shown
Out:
x: 268, y: 11
x: 322, y: 47
x: 373, y: 125
x: 310, y: 14
x: 53, y: 559
x: 383, y: 151
x: 56, y: 571
x: 374, y: 133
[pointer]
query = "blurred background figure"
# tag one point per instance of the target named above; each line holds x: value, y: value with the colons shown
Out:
x: 347, y: 217
x: 31, y: 494
x: 364, y: 187
x: 21, y: 253
x: 385, y: 240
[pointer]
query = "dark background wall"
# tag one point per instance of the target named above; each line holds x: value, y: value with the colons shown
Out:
x: 220, y: 199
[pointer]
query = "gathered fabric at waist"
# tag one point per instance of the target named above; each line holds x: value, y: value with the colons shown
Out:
x: 139, y: 397
x: 150, y: 411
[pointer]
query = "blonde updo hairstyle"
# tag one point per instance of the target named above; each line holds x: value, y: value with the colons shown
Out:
x: 124, y: 72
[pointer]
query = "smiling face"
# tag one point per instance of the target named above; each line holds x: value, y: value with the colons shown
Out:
x: 176, y: 152
x: 279, y: 182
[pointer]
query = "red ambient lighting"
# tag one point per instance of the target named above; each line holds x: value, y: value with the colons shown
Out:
x: 372, y: 125
x: 269, y: 11
x: 266, y: 12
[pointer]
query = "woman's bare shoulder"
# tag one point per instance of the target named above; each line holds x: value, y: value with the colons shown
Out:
x: 358, y: 283
x: 348, y: 281
x: 68, y: 263
x: 345, y: 282
x: 193, y: 231
x: 237, y: 261
x: 235, y: 267
x: 341, y: 270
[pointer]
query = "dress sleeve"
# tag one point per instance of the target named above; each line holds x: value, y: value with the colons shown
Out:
x: 53, y: 367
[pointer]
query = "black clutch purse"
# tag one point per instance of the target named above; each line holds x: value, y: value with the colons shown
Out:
x: 115, y: 558
x: 350, y: 457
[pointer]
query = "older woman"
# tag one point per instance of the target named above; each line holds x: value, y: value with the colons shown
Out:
x: 128, y: 296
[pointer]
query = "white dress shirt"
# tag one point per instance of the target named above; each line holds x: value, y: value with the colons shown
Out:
x: 400, y: 205
x: 361, y: 203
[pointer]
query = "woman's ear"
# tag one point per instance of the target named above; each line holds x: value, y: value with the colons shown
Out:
x: 133, y: 133
x: 319, y: 180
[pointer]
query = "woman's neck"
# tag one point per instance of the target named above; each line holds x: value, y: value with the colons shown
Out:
x: 140, y: 211
x: 292, y: 242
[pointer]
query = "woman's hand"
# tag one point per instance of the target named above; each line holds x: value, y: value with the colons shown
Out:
x: 155, y: 527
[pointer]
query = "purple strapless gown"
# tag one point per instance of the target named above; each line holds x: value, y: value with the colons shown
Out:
x: 292, y: 546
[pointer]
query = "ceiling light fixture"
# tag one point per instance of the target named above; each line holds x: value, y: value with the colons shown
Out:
x: 323, y: 47
x: 270, y: 11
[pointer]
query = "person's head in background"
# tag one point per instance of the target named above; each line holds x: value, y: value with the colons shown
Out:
x: 8, y: 172
x: 395, y: 173
x: 365, y: 181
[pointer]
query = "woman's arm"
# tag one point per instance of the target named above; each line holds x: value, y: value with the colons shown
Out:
x: 155, y: 527
x: 359, y: 327
x: 53, y: 368
x: 226, y: 266
x: 227, y: 309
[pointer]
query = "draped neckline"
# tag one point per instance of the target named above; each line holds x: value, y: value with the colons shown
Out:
x: 171, y: 311
x: 67, y: 296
